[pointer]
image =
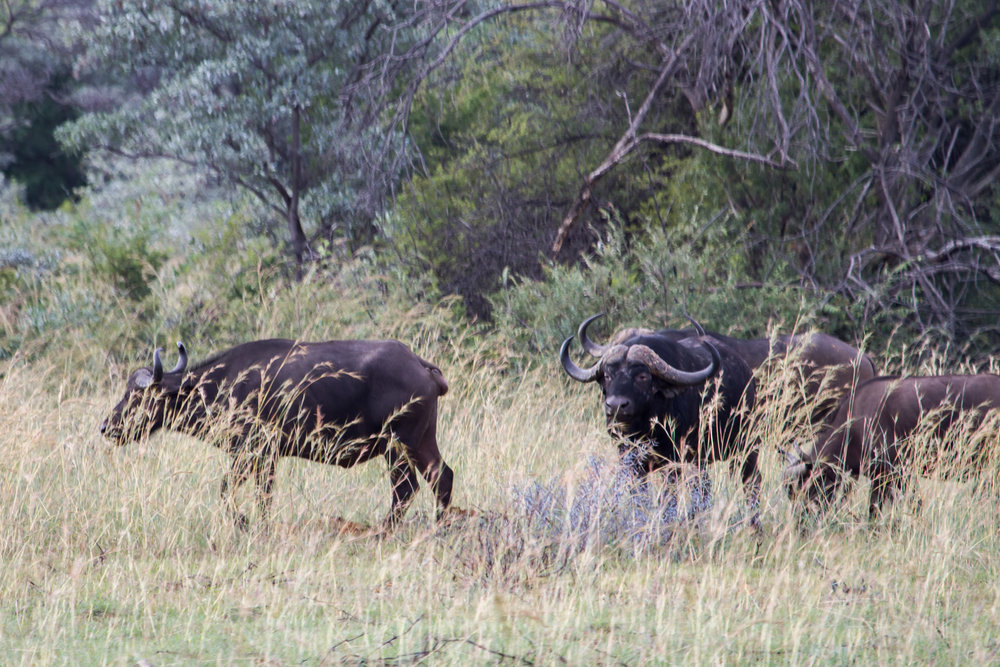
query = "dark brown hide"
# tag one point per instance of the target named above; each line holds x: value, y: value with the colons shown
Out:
x: 828, y: 369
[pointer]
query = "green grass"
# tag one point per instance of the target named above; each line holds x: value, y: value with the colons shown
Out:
x: 120, y: 555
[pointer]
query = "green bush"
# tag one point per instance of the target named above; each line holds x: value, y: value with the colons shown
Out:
x: 122, y: 255
x: 652, y: 280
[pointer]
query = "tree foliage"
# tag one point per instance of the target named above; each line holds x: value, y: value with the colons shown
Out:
x: 852, y: 148
x: 506, y: 131
x: 891, y: 110
x: 836, y: 155
x: 49, y: 173
x: 34, y: 47
x: 267, y: 95
x: 36, y: 52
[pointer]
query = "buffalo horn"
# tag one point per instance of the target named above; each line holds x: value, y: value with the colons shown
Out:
x: 157, y: 366
x: 697, y: 326
x: 574, y: 371
x: 661, y: 369
x: 789, y: 457
x: 793, y: 472
x: 182, y: 361
x: 589, y: 345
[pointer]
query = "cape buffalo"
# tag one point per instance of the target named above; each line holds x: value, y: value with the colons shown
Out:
x: 827, y: 367
x: 869, y: 434
x: 654, y: 391
x: 337, y: 402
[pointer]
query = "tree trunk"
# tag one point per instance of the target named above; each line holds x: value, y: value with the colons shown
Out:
x: 298, y: 237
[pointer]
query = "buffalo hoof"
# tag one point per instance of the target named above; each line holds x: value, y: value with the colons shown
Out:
x: 452, y: 514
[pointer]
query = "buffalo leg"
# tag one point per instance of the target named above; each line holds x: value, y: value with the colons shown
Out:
x: 238, y: 473
x: 263, y: 470
x: 885, y: 485
x: 433, y: 468
x: 404, y: 483
x: 419, y: 439
x: 751, y: 486
x: 441, y: 478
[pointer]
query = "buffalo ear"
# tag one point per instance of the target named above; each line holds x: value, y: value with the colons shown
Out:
x: 143, y: 378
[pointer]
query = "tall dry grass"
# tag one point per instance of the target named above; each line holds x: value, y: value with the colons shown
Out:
x: 125, y: 555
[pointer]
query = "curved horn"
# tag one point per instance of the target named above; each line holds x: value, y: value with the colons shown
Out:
x: 799, y: 452
x: 182, y: 362
x: 574, y: 371
x: 794, y: 471
x: 714, y: 351
x: 157, y: 366
x: 589, y: 345
x: 697, y: 326
x: 661, y: 369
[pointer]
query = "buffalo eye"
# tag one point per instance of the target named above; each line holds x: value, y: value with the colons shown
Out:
x: 643, y: 377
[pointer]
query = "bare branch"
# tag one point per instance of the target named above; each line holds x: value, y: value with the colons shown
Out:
x: 990, y: 244
x: 787, y: 163
x: 622, y: 148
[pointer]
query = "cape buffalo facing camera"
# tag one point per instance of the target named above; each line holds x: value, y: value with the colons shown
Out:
x: 655, y: 389
x: 869, y: 435
x: 336, y: 402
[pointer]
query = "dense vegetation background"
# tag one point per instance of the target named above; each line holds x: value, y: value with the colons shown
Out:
x: 760, y: 164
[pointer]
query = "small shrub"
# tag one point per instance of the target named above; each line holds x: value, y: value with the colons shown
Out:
x: 550, y: 524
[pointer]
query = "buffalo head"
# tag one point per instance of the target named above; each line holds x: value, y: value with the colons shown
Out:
x: 635, y: 379
x: 148, y: 394
x: 810, y: 481
x: 655, y: 390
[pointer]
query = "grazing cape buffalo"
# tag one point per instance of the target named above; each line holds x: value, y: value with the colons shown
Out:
x: 827, y: 367
x: 869, y: 435
x: 654, y: 391
x: 336, y: 402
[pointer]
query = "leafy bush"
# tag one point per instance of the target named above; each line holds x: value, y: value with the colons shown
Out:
x: 507, y: 136
x: 49, y: 173
x: 123, y: 256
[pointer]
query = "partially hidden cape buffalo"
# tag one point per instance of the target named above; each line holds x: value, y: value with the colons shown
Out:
x: 656, y: 392
x: 876, y: 432
x: 337, y: 402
